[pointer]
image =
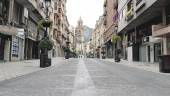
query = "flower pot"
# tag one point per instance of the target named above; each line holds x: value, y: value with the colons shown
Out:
x: 164, y: 63
x: 43, y: 59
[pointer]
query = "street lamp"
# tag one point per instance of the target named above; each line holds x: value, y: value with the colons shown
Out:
x: 45, y: 43
x: 47, y: 3
x: 47, y: 6
x: 116, y: 28
x: 117, y: 59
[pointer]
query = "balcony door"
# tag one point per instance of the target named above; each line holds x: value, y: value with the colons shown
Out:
x: 4, y: 7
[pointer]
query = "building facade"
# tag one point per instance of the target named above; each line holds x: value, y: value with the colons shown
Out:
x: 79, y: 37
x: 139, y: 23
x: 18, y: 29
x: 72, y: 42
x: 98, y: 37
x: 109, y: 12
x: 60, y: 27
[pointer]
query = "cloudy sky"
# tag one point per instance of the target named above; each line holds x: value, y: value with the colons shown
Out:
x: 89, y: 10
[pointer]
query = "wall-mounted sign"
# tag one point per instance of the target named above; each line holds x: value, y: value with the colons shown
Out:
x: 15, y: 47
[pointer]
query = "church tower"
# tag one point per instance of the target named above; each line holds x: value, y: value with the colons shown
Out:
x: 79, y: 37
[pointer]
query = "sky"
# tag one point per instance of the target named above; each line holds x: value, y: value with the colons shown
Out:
x: 88, y: 10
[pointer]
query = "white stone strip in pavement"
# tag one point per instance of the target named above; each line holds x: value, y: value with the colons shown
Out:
x: 83, y: 85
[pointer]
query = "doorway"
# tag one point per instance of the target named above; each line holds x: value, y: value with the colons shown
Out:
x: 157, y: 51
x: 149, y: 54
x: 2, y: 44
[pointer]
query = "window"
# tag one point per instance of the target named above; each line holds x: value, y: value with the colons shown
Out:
x: 138, y: 2
x: 4, y: 6
x: 59, y: 22
x: 59, y: 10
x: 129, y: 5
x: 55, y: 6
x: 1, y: 8
x: 18, y: 13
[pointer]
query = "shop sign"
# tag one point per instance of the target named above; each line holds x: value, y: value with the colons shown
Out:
x: 15, y: 47
x: 21, y: 33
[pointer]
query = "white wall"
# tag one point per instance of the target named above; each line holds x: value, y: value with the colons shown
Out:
x: 152, y: 53
x: 130, y: 54
x: 7, y: 50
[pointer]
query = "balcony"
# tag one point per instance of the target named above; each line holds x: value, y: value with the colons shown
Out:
x: 36, y: 6
x: 105, y: 13
x: 116, y: 4
x: 140, y: 4
x: 108, y: 35
x: 160, y: 30
x: 105, y: 3
x: 129, y: 14
x: 105, y: 22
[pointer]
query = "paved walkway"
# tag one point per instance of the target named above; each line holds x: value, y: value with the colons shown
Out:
x: 88, y: 77
x: 154, y: 67
x: 10, y: 70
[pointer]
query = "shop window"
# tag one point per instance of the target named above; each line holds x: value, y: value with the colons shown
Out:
x: 157, y: 51
x: 168, y: 14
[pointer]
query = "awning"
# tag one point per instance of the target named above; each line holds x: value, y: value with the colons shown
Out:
x: 8, y: 30
x: 162, y: 32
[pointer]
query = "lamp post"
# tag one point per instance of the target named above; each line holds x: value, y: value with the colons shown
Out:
x: 47, y: 5
x: 44, y: 43
x: 117, y: 58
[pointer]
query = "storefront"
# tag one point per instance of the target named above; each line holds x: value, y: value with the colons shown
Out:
x: 157, y: 51
x: 17, y: 48
x: 109, y: 49
x: 151, y: 50
x: 32, y: 39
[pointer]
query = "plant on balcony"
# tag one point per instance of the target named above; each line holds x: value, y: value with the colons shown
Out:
x: 115, y: 39
x: 46, y: 43
x: 44, y: 23
x: 129, y: 14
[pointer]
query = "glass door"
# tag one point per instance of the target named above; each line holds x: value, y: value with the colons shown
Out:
x: 157, y: 51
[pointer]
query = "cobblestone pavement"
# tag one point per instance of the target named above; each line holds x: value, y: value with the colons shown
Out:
x: 88, y: 77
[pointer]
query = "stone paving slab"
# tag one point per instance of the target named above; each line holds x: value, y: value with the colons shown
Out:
x: 154, y: 67
x: 10, y: 70
x: 90, y: 77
